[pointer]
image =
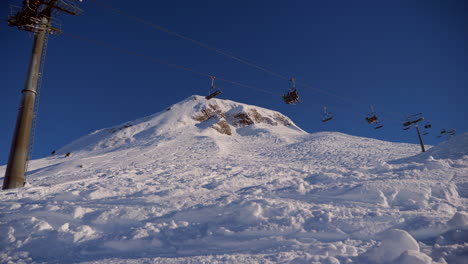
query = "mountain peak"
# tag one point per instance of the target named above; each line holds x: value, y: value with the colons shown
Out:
x: 226, y: 116
x: 193, y: 116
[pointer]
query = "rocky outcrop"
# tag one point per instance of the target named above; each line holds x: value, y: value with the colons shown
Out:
x: 223, y: 120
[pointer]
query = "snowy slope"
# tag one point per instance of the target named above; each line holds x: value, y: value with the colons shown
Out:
x: 223, y: 182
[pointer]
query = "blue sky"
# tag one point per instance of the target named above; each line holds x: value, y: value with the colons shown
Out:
x: 403, y: 57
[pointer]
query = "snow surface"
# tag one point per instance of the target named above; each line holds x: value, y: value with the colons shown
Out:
x: 223, y: 182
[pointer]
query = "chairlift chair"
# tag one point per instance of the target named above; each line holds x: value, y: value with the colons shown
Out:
x: 413, y: 119
x: 371, y: 117
x: 441, y: 133
x: 448, y: 132
x: 292, y: 96
x: 327, y: 119
x: 213, y: 90
x: 407, y: 124
x: 327, y: 116
x: 427, y: 126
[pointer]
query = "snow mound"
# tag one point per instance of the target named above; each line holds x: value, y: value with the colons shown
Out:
x: 459, y: 220
x: 397, y: 246
x: 413, y: 257
x: 454, y: 148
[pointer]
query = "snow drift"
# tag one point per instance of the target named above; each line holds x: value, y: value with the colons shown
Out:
x: 223, y: 182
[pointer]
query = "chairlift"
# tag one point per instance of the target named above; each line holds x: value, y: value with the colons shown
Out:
x: 213, y: 90
x: 448, y: 132
x: 292, y: 96
x: 407, y: 124
x: 427, y: 126
x: 327, y: 116
x: 441, y: 133
x: 371, y: 117
x: 413, y: 119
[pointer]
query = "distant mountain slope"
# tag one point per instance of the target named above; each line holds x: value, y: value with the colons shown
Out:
x: 223, y: 182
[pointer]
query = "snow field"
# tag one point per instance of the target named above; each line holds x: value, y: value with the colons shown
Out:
x: 171, y: 189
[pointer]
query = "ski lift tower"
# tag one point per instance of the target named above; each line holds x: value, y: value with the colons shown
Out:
x: 34, y: 16
x: 414, y: 120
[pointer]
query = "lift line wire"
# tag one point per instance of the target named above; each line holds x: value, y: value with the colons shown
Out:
x: 230, y: 55
x: 203, y: 45
x: 173, y: 65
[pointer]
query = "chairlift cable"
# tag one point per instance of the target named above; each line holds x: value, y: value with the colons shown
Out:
x: 199, y: 43
x: 173, y: 65
x: 227, y: 54
x: 133, y: 53
x: 203, y: 45
x: 224, y: 53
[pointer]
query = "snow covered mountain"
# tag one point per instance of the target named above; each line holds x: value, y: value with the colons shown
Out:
x: 193, y: 117
x: 223, y: 182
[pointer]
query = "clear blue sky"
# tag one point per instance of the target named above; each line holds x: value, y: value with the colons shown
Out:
x: 404, y: 57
